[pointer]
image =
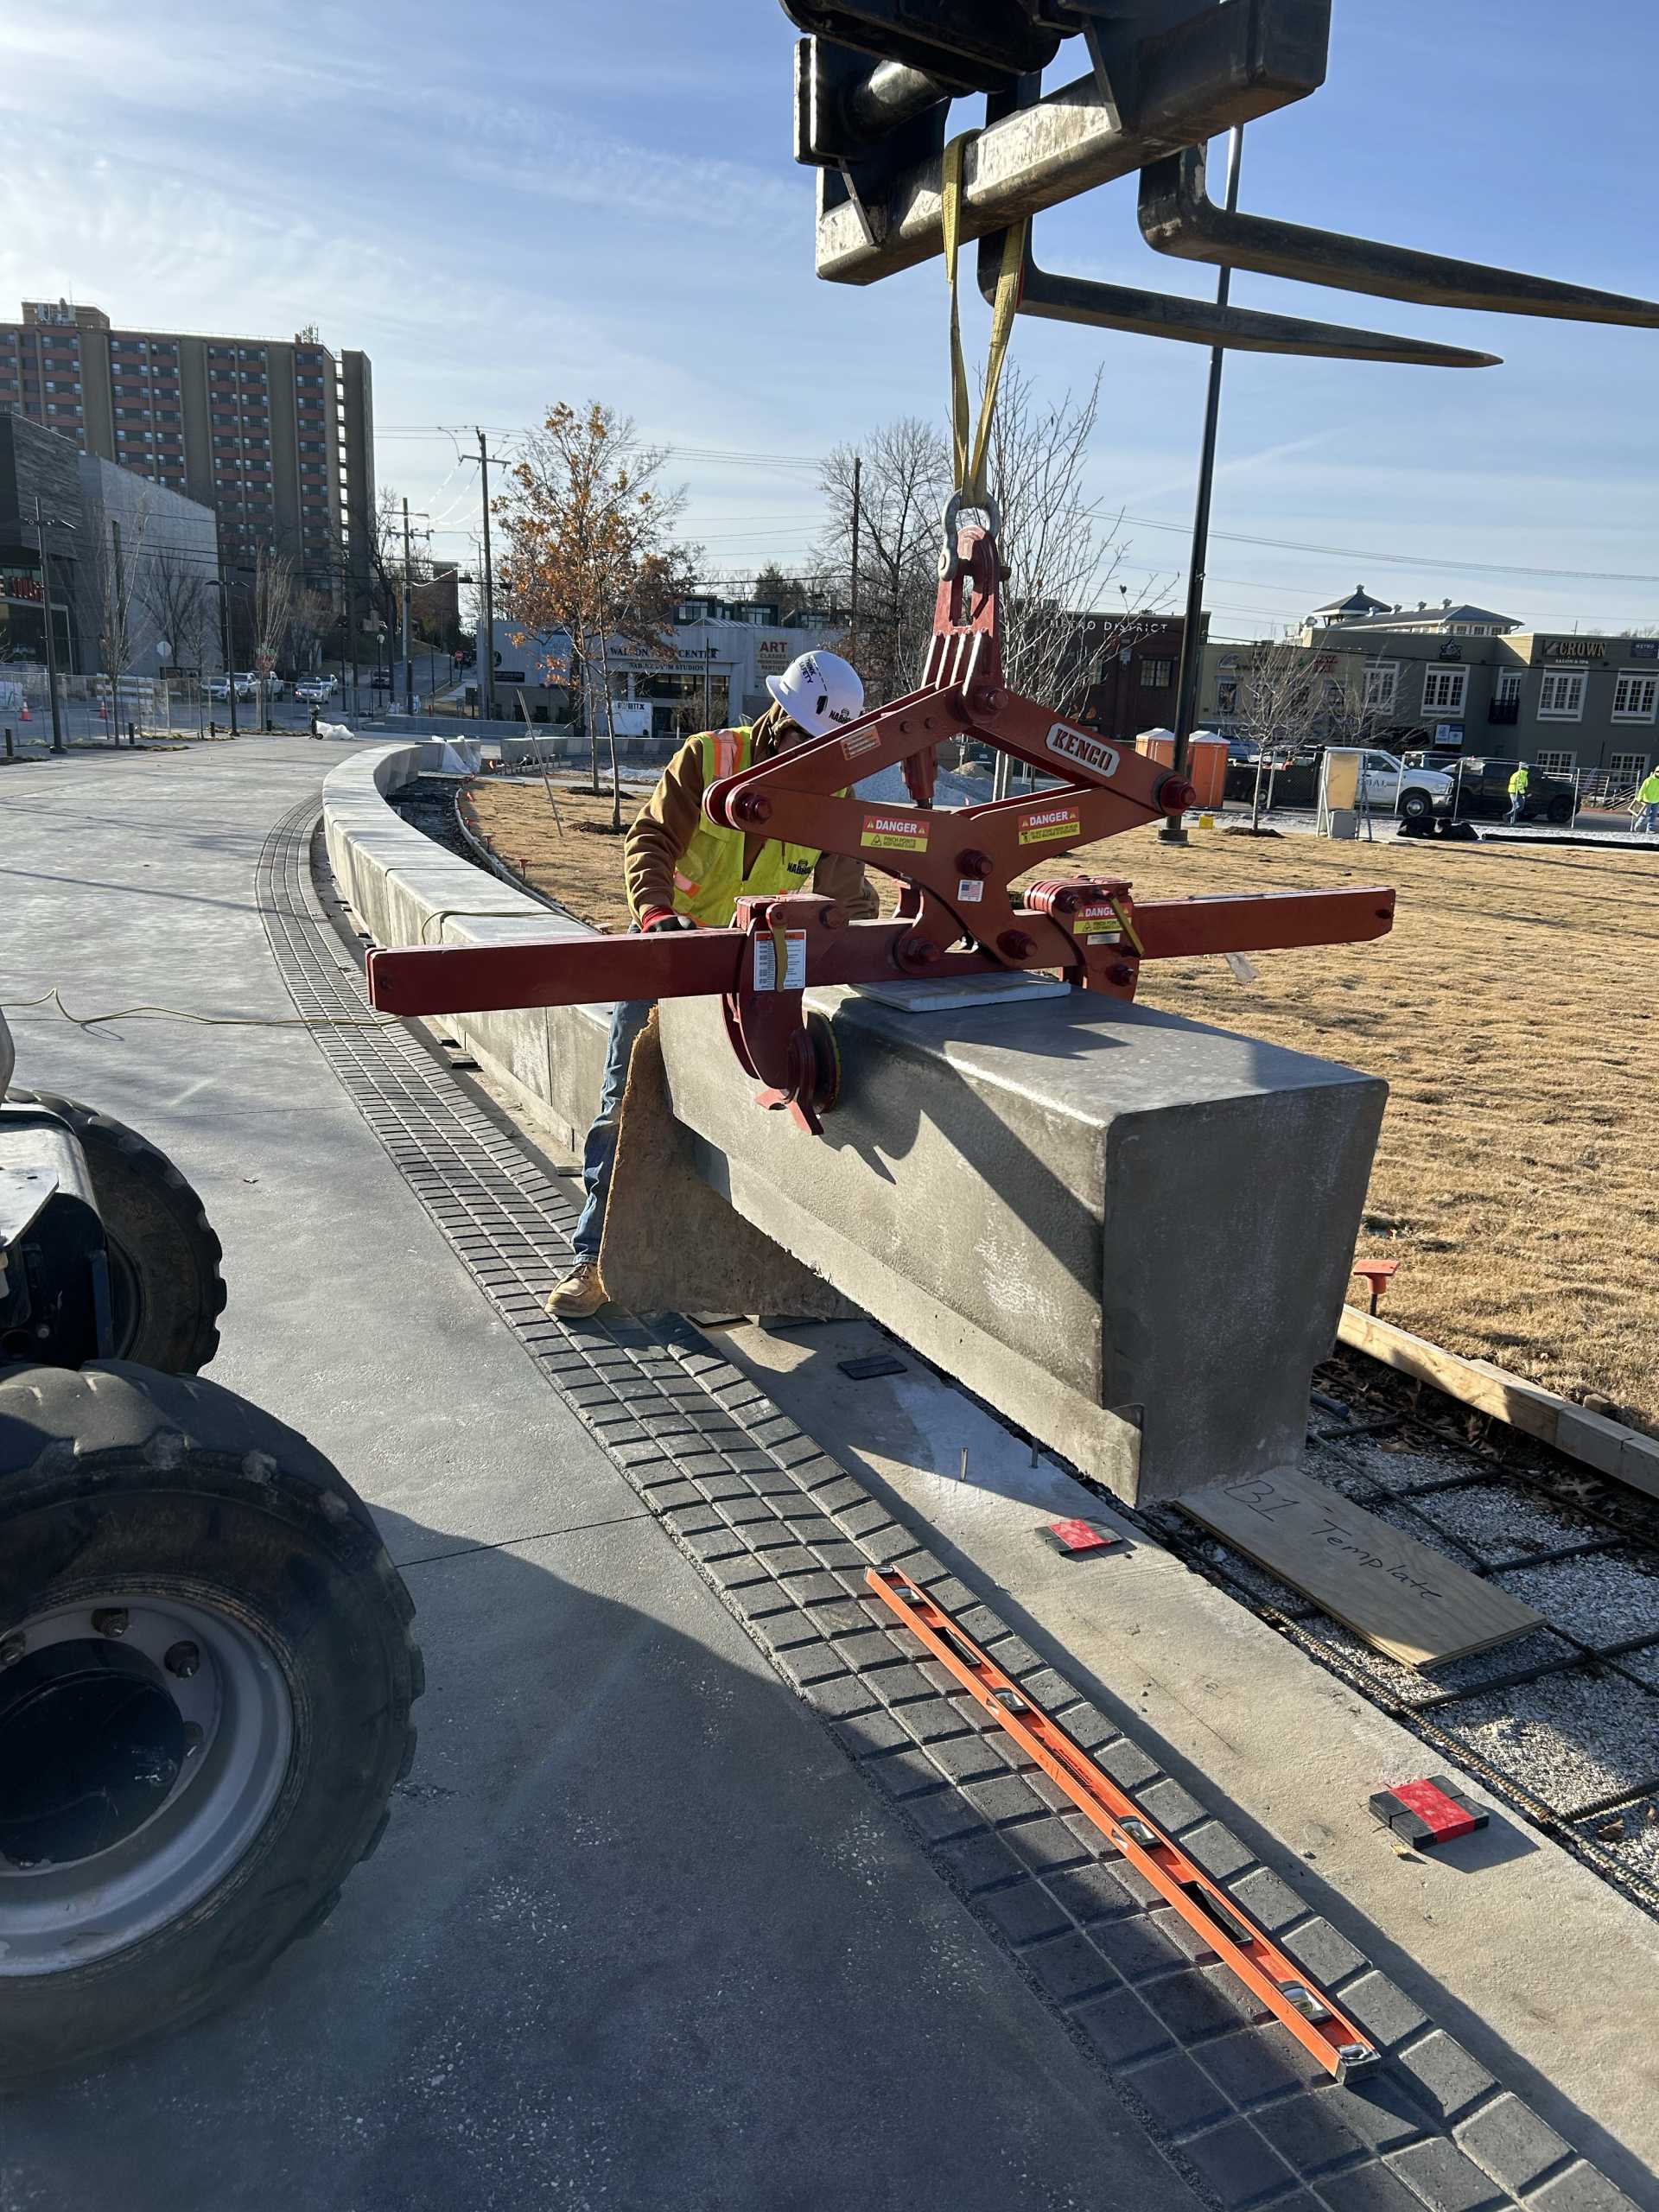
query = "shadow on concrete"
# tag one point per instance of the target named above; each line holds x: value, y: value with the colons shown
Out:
x: 638, y: 1936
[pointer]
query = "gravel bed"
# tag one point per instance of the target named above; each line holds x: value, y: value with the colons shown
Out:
x: 1636, y: 1847
x: 1604, y: 1600
x: 1411, y: 1687
x: 1366, y: 1461
x: 1643, y: 1664
x: 1501, y: 1521
x: 1570, y: 1740
x: 1400, y: 1514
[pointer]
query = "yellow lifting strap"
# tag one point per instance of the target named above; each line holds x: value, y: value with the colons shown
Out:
x: 970, y: 466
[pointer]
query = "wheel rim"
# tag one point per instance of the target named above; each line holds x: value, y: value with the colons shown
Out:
x: 143, y: 1740
x: 126, y: 1298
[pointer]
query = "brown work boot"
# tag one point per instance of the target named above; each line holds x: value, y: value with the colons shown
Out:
x: 578, y: 1294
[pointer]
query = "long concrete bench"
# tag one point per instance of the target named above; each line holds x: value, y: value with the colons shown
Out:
x: 406, y: 889
x: 1127, y: 1231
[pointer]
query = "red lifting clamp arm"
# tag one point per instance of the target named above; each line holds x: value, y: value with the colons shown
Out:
x: 958, y: 914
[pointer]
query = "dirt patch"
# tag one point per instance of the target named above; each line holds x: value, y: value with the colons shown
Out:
x: 1514, y: 1011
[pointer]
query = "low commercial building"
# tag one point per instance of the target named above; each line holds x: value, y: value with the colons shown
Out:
x: 709, y: 671
x: 124, y: 557
x: 1468, y: 681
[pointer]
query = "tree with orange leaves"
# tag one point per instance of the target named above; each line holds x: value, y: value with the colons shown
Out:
x: 591, y: 557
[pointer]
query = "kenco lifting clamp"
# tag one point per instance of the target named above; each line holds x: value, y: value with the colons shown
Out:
x: 1316, y: 2020
x: 958, y: 912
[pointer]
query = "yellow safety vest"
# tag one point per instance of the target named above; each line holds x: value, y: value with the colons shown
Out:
x: 708, y: 880
x: 1519, y: 781
x: 1649, y: 793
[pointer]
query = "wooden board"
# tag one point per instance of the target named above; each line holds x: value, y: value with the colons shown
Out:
x: 1404, y: 1597
x: 1623, y: 1454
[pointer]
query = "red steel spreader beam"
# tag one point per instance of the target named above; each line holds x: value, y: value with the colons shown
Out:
x: 1315, y: 2021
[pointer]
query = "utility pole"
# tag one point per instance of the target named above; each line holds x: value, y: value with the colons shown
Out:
x: 118, y: 626
x: 1187, y: 695
x: 858, y: 512
x: 408, y: 675
x: 224, y: 639
x: 51, y: 633
x: 486, y: 643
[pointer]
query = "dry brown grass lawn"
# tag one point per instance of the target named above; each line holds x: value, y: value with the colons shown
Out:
x: 1514, y: 1011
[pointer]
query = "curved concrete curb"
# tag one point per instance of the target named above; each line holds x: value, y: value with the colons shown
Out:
x: 406, y: 889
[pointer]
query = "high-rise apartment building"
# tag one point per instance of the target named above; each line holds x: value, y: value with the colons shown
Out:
x: 276, y: 436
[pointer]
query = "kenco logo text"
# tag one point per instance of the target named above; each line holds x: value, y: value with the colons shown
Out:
x: 896, y: 832
x: 1049, y: 822
x: 1077, y: 745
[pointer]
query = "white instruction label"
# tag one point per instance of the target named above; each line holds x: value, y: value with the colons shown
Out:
x: 766, y: 961
x: 1083, y: 747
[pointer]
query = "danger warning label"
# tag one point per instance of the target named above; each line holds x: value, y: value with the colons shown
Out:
x: 862, y: 741
x: 1049, y: 822
x: 1096, y: 921
x: 903, y: 833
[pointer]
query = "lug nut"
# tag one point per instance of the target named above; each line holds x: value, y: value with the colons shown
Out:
x: 182, y: 1660
x: 1120, y: 972
x: 1066, y: 902
x: 751, y: 806
x: 110, y: 1620
x: 1175, y: 795
x: 987, y: 698
x: 974, y: 863
x: 12, y: 1649
x: 918, y: 952
x: 1016, y: 945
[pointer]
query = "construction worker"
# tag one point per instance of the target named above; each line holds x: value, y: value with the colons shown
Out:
x: 1647, y: 803
x: 685, y: 872
x: 1519, y: 783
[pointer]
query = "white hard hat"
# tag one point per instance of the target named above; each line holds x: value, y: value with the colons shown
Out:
x: 819, y: 691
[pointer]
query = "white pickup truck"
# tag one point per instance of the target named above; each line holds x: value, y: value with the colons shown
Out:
x: 1387, y: 787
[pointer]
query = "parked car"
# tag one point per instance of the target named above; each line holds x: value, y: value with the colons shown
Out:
x: 1388, y: 785
x: 1482, y: 792
x: 313, y: 691
x: 220, y: 688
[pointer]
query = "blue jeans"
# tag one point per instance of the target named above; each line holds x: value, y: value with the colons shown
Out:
x: 1648, y: 819
x: 1516, y: 805
x: 628, y: 1018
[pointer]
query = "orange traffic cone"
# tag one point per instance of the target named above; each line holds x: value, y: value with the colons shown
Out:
x: 27, y: 716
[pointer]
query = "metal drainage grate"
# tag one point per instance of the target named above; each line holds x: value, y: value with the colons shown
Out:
x: 785, y: 1535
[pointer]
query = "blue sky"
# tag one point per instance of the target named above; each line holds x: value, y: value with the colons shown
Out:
x: 507, y: 206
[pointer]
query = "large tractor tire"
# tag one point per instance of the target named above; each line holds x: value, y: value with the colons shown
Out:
x: 166, y: 1291
x: 205, y: 1678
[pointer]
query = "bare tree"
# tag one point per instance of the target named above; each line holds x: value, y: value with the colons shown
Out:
x: 1289, y: 697
x: 179, y: 596
x: 117, y: 572
x: 903, y: 481
x: 1060, y: 548
x: 274, y: 590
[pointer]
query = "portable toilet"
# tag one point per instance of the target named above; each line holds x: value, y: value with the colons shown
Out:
x: 1206, y: 760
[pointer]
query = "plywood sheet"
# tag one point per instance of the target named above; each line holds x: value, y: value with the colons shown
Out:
x: 1404, y: 1597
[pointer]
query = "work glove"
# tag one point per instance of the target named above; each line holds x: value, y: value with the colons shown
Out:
x: 664, y: 917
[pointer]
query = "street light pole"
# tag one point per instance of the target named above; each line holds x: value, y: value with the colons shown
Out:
x: 409, y: 673
x: 1174, y: 830
x: 51, y: 633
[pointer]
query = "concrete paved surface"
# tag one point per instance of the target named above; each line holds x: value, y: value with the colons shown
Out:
x: 1532, y: 1961
x: 639, y: 1936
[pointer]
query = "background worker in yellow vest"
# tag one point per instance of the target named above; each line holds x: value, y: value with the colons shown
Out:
x: 1646, y: 805
x: 1519, y: 783
x: 683, y: 873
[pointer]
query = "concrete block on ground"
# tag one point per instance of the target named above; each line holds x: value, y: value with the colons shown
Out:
x: 1127, y: 1231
